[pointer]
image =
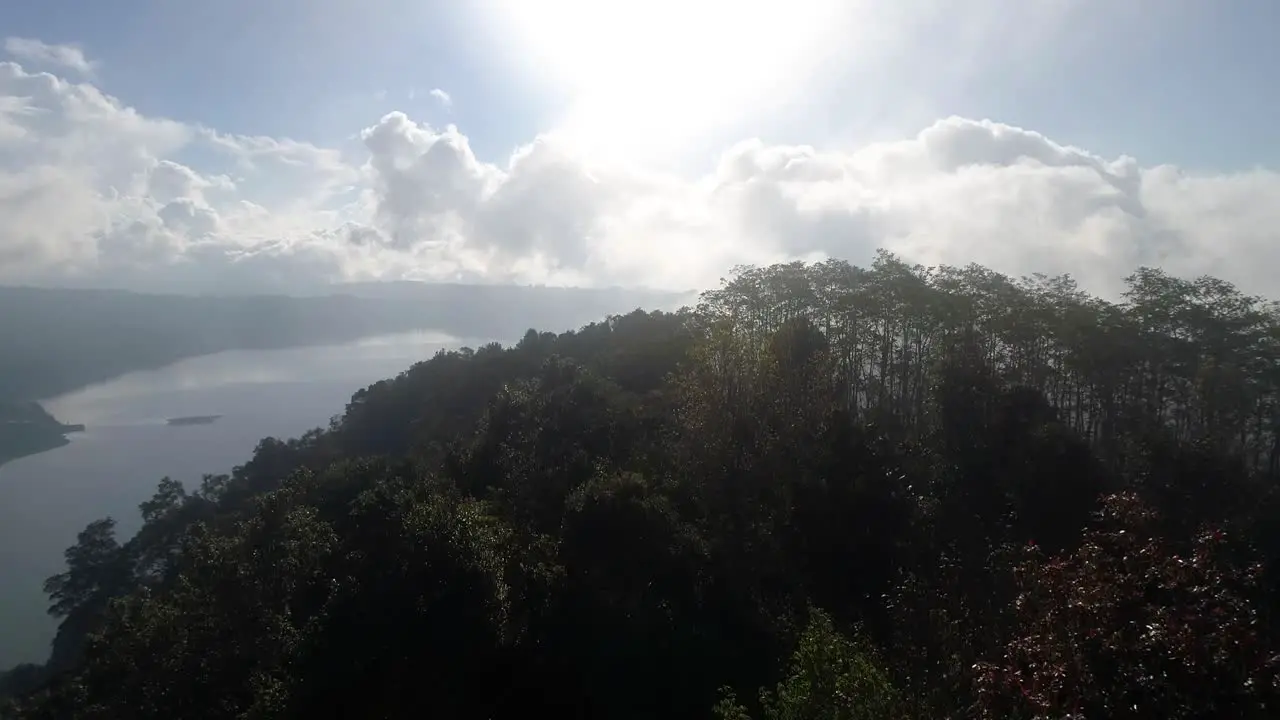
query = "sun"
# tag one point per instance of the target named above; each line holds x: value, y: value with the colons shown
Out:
x: 647, y: 76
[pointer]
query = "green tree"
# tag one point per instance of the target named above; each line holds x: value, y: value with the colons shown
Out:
x: 830, y: 677
x: 98, y: 570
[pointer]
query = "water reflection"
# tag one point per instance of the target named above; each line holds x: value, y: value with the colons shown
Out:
x: 123, y: 400
x: 46, y: 499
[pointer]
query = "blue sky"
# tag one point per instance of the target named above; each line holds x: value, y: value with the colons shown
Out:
x: 310, y: 69
x: 1182, y: 81
x: 736, y: 132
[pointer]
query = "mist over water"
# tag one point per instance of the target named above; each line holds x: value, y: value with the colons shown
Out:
x: 127, y: 447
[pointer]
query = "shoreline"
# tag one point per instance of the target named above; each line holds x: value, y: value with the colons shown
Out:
x: 28, y: 429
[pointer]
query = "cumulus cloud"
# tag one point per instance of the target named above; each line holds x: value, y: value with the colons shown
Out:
x: 94, y: 193
x: 62, y: 56
x: 960, y: 191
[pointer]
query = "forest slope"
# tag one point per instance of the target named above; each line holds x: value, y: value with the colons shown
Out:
x: 824, y: 492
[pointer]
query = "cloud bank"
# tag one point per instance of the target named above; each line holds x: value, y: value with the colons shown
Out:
x: 94, y: 193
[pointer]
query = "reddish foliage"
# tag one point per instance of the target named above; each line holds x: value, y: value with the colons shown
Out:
x: 1126, y: 628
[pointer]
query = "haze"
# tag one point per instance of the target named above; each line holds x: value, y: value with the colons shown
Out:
x: 622, y: 359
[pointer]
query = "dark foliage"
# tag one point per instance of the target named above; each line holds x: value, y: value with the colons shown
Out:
x: 825, y: 492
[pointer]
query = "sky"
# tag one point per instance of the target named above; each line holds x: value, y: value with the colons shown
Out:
x: 282, y: 145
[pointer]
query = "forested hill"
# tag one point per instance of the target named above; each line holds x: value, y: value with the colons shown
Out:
x: 56, y: 340
x: 824, y: 492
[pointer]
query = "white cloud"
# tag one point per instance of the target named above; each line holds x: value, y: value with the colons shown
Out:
x: 442, y: 97
x: 959, y: 191
x: 62, y: 56
x: 93, y: 192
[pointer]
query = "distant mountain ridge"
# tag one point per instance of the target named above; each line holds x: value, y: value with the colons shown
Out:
x: 53, y: 341
x: 547, y: 295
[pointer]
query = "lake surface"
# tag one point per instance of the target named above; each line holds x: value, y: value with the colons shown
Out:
x: 46, y: 499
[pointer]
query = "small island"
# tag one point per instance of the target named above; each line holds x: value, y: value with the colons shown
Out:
x: 26, y: 428
x: 193, y: 420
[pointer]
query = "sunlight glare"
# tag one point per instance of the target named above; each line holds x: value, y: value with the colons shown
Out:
x: 646, y: 76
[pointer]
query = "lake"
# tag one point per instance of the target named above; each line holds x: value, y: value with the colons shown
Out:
x: 46, y: 499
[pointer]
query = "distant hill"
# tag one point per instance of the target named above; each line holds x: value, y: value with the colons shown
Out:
x: 56, y: 340
x: 490, y: 304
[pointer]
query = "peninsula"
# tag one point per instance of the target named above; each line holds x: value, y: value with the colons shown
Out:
x: 26, y: 428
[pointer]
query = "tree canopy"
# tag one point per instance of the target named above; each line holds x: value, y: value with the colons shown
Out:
x: 824, y: 491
